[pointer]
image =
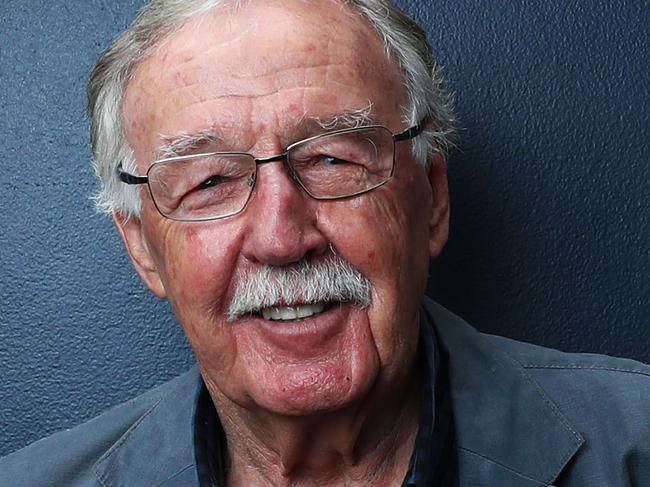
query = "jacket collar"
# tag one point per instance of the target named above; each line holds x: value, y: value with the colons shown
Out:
x: 506, y: 427
x: 158, y: 450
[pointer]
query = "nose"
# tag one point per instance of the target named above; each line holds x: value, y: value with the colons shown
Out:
x: 282, y: 223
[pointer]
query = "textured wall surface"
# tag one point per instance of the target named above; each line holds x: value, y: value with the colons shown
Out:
x: 550, y: 239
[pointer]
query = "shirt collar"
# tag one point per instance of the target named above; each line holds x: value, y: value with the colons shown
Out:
x: 431, y: 459
x: 209, y: 442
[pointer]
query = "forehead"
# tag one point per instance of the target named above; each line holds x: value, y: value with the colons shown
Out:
x: 264, y: 64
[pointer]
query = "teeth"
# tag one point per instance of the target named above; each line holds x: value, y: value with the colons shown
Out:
x: 285, y: 313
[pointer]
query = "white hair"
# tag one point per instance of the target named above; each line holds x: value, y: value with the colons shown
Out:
x: 332, y: 280
x: 404, y: 42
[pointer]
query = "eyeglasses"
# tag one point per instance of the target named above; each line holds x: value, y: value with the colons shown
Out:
x: 338, y: 164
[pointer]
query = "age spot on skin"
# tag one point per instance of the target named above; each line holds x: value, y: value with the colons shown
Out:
x: 294, y: 108
x: 180, y: 77
x: 194, y: 241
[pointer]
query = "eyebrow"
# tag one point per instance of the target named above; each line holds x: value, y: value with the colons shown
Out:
x: 185, y: 143
x: 353, y: 118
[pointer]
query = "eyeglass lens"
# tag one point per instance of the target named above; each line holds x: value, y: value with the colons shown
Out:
x: 202, y: 187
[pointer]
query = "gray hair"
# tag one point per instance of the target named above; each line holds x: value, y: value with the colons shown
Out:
x: 332, y: 280
x: 404, y: 40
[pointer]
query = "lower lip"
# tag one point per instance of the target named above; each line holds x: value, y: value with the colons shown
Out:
x: 303, y: 336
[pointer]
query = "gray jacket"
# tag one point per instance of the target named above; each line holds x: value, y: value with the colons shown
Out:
x: 524, y: 416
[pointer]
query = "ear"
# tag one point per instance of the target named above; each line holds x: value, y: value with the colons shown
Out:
x: 439, y: 218
x: 130, y: 230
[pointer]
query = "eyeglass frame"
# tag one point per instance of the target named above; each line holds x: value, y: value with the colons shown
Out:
x: 408, y: 134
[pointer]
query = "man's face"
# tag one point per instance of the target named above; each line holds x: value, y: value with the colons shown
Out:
x: 256, y: 78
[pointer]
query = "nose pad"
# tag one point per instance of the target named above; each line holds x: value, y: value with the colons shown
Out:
x: 297, y: 182
x: 291, y: 170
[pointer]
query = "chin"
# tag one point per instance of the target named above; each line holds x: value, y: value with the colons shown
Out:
x: 300, y: 390
x: 303, y: 367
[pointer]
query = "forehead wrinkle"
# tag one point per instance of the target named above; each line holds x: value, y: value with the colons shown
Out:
x: 173, y: 56
x: 250, y: 98
x: 284, y: 74
x: 176, y: 49
x: 185, y: 98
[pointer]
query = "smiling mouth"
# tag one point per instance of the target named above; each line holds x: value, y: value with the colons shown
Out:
x: 295, y: 312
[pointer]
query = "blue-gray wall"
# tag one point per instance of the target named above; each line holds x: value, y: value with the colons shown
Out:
x: 550, y: 240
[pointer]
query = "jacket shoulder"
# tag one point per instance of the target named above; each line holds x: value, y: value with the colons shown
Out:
x: 606, y: 371
x: 606, y: 400
x: 615, y: 382
x: 68, y: 457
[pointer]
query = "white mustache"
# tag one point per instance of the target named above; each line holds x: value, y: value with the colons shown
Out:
x: 329, y: 280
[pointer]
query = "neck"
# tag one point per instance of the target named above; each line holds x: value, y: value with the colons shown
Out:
x: 366, y: 444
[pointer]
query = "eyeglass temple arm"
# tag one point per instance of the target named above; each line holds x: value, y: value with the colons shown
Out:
x: 413, y: 131
x: 127, y: 178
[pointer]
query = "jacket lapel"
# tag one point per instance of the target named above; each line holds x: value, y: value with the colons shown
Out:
x: 158, y: 449
x: 506, y: 426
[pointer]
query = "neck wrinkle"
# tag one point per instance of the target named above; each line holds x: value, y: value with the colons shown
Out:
x: 363, y: 445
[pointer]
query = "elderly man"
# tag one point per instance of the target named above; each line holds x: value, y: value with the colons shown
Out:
x: 276, y: 170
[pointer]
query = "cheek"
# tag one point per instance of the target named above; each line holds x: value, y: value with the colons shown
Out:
x: 384, y: 235
x: 199, y: 265
x: 371, y: 232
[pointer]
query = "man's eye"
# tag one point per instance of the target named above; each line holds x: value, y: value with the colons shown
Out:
x: 330, y: 160
x: 210, y: 182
